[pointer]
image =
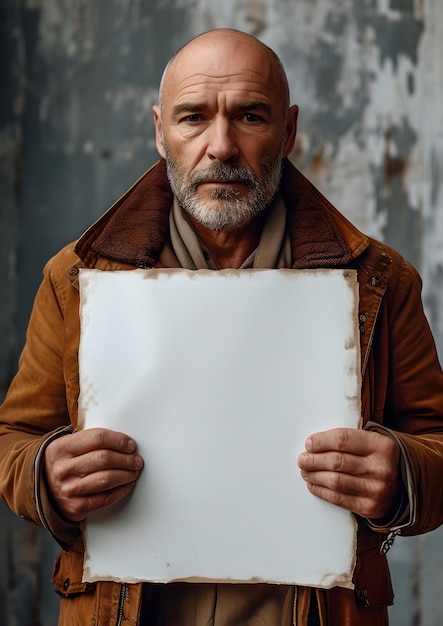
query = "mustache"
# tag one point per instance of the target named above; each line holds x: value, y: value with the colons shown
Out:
x: 223, y: 172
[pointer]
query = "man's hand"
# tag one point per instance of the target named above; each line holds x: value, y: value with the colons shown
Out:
x: 358, y: 470
x: 89, y: 470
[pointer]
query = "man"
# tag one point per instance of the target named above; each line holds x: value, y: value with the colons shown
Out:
x: 224, y: 195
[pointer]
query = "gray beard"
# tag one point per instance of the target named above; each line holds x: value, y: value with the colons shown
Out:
x: 232, y: 210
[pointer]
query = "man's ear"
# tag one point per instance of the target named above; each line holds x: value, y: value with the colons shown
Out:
x: 158, y: 131
x: 291, y: 130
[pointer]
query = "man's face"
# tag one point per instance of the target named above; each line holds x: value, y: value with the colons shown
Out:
x: 223, y: 131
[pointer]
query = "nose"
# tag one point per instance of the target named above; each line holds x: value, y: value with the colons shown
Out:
x: 221, y: 141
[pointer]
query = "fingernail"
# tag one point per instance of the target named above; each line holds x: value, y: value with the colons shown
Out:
x: 131, y: 445
x: 138, y: 462
x: 308, y: 444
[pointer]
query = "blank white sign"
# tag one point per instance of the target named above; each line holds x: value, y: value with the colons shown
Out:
x: 220, y: 377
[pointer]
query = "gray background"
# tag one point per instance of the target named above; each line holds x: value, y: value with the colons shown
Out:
x: 78, y: 79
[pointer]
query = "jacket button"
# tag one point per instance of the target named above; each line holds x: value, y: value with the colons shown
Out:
x: 66, y: 584
x: 362, y: 318
x: 73, y: 271
x: 376, y: 281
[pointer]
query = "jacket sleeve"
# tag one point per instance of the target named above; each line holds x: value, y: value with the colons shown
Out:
x: 413, y: 408
x: 35, y: 410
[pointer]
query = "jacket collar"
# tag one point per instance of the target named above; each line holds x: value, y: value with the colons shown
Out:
x: 134, y: 229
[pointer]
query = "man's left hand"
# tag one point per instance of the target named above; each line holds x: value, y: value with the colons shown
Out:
x: 358, y: 470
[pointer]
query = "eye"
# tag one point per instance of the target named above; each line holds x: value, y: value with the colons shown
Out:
x: 252, y: 117
x: 193, y: 118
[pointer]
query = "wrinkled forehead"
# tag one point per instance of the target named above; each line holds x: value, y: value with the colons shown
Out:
x: 237, y: 64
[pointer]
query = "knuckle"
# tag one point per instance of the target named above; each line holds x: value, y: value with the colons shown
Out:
x: 112, y: 496
x: 67, y: 491
x: 337, y: 461
x: 108, y: 499
x: 375, y: 490
x: 343, y: 440
x: 388, y: 443
x: 369, y: 509
x: 89, y: 504
x: 99, y: 437
x: 336, y: 482
x: 78, y: 510
x: 313, y: 488
x: 307, y: 460
x: 335, y: 497
x: 72, y: 509
x: 387, y: 474
x: 60, y: 471
x: 102, y: 457
x: 70, y: 490
x: 388, y: 447
x: 75, y: 489
x: 53, y: 448
x: 384, y: 471
x: 103, y: 480
x: 55, y: 451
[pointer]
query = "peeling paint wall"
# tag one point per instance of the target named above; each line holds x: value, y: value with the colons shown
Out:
x: 75, y: 130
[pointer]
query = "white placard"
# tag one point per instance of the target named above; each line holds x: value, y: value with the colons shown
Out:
x: 220, y: 377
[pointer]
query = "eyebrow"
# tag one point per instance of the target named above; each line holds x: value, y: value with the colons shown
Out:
x: 186, y: 107
x: 197, y: 107
x: 254, y: 105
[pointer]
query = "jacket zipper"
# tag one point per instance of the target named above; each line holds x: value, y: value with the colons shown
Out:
x: 121, y: 603
x: 389, y: 541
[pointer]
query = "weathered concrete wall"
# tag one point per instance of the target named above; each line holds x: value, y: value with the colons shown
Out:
x: 75, y: 130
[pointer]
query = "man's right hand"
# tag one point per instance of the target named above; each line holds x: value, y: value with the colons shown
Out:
x: 89, y: 470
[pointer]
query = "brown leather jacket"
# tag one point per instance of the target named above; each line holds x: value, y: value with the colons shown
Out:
x: 402, y: 386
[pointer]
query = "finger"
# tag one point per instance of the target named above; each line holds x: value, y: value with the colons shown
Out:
x: 357, y: 442
x: 77, y: 509
x: 343, y: 483
x: 334, y: 462
x: 84, y: 441
x: 366, y: 507
x: 372, y: 498
x: 351, y: 440
x: 99, y: 482
x: 96, y: 460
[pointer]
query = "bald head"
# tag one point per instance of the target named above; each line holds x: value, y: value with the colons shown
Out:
x: 228, y: 43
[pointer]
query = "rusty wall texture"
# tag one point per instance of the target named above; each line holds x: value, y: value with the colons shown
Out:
x: 78, y: 79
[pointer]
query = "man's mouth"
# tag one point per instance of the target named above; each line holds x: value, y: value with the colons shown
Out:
x: 224, y: 176
x: 225, y: 182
